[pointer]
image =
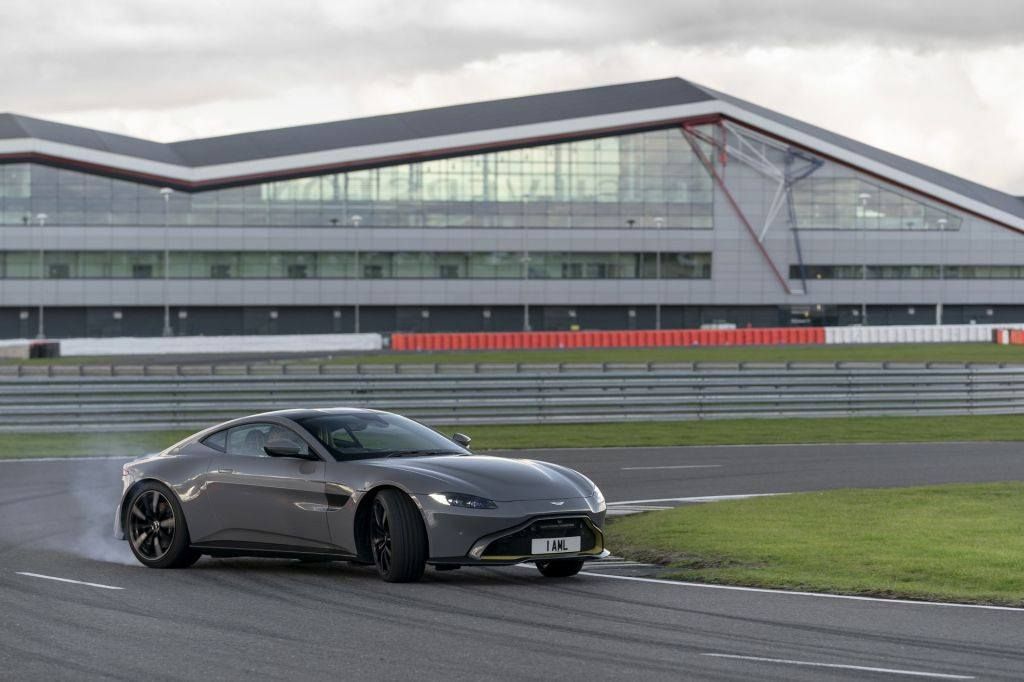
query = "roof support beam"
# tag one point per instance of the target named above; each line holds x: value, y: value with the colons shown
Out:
x: 692, y: 137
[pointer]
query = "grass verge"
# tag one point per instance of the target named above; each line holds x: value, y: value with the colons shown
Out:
x: 925, y: 352
x: 961, y: 543
x: 16, y: 445
x: 628, y: 434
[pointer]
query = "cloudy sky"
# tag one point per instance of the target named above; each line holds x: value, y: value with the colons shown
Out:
x: 940, y: 81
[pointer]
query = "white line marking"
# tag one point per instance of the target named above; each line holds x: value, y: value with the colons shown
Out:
x: 675, y: 466
x: 68, y: 580
x: 706, y: 498
x: 765, y: 590
x: 891, y: 671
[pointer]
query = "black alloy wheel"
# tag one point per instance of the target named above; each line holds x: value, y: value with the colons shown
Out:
x: 398, y: 539
x: 380, y: 537
x: 151, y: 525
x: 156, y: 529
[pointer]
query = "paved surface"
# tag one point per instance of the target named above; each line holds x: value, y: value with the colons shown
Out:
x: 280, y: 619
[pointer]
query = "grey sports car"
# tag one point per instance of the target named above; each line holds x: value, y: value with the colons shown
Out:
x: 357, y: 485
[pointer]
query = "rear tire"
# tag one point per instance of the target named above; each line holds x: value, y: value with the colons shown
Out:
x: 398, y: 539
x: 156, y: 529
x: 559, y: 568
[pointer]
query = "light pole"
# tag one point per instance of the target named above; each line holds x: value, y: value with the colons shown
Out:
x: 942, y: 222
x: 658, y: 224
x: 166, y: 193
x: 864, y: 199
x: 356, y: 221
x: 41, y: 219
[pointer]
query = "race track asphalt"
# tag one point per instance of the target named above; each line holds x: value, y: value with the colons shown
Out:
x: 278, y: 619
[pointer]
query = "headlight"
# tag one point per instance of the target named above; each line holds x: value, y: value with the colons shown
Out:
x: 463, y: 500
x: 599, y: 498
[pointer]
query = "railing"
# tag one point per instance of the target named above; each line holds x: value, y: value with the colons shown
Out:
x: 154, y: 397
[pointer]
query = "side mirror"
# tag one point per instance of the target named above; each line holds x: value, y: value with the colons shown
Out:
x: 462, y: 439
x: 284, y: 448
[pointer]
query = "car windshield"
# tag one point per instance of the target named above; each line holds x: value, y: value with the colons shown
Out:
x: 368, y: 435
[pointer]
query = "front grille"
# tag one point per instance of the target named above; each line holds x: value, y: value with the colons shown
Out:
x: 519, y: 543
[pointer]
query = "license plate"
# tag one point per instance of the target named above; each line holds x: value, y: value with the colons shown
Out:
x: 555, y: 545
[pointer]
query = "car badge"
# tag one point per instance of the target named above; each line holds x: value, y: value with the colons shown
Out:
x: 558, y: 504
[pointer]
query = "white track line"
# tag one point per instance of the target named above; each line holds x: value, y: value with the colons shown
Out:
x: 890, y: 671
x: 706, y: 498
x: 68, y: 580
x: 765, y: 590
x: 675, y: 466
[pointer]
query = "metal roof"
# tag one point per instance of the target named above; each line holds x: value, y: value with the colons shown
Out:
x: 987, y: 195
x: 195, y: 164
x: 317, y: 137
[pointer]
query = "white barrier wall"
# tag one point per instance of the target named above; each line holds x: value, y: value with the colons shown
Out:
x: 18, y: 349
x: 947, y: 333
x: 187, y: 345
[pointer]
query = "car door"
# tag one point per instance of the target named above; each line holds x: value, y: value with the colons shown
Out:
x: 263, y: 502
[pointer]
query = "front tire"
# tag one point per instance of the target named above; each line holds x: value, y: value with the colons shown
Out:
x: 559, y: 568
x: 156, y: 529
x: 398, y: 539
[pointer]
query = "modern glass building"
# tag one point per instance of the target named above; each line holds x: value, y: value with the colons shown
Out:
x: 653, y: 204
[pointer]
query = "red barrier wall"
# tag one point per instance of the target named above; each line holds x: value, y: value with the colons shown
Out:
x: 613, y: 339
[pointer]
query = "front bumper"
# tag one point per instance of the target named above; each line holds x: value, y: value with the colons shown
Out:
x: 118, y: 527
x: 485, y: 536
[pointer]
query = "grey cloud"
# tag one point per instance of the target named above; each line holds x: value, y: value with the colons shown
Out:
x: 203, y: 67
x: 75, y: 55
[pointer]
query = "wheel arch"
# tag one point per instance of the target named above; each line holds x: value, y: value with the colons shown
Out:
x: 128, y: 494
x: 361, y: 525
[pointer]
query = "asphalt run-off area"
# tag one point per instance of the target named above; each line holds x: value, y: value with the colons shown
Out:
x: 76, y: 604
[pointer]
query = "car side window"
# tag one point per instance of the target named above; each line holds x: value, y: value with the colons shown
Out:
x: 217, y: 441
x: 249, y: 439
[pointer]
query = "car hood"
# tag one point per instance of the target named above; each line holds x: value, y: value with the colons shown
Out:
x: 497, y: 478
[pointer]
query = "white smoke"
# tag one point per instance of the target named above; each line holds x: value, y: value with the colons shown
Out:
x: 94, y: 488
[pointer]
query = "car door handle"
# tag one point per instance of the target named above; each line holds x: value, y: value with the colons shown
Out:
x: 225, y: 471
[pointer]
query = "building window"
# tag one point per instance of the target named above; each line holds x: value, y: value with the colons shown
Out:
x: 552, y: 265
x: 608, y: 182
x: 838, y: 198
x: 140, y: 271
x: 220, y: 271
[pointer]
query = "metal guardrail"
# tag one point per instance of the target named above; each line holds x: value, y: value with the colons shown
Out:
x: 493, y: 394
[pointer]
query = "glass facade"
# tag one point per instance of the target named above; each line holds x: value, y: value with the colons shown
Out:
x: 389, y: 223
x: 649, y: 179
x: 908, y: 271
x: 826, y: 195
x: 364, y: 265
x: 855, y: 203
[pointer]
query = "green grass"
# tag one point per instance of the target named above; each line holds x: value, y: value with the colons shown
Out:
x: 988, y: 353
x: 629, y: 434
x: 83, y: 444
x: 932, y: 352
x: 948, y: 543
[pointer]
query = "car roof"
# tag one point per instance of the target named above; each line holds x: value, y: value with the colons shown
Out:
x: 306, y: 412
